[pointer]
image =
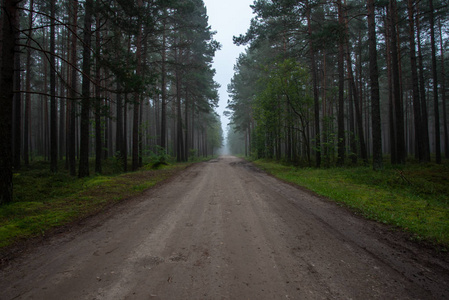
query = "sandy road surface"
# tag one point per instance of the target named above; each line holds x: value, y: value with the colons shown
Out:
x: 224, y: 230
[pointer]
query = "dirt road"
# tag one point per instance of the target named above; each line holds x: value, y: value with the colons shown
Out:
x: 225, y: 230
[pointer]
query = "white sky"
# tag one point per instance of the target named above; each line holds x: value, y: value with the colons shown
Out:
x: 229, y: 18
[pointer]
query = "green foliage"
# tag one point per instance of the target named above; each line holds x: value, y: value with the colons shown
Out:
x: 414, y: 198
x: 159, y: 157
x: 282, y: 103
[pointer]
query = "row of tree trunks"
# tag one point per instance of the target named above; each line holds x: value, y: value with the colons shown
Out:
x: 420, y: 151
x: 9, y: 29
x: 398, y: 157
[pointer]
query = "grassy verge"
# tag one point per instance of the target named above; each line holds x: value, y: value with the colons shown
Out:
x: 414, y: 198
x: 44, y: 201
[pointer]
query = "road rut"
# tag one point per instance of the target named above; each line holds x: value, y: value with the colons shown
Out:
x: 226, y: 230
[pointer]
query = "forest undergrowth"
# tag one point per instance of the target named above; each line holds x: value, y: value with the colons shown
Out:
x: 45, y: 200
x: 412, y: 197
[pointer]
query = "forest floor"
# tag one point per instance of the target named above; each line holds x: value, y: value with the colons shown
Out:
x: 224, y: 229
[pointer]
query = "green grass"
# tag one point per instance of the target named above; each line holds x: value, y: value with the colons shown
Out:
x: 414, y: 198
x: 44, y: 200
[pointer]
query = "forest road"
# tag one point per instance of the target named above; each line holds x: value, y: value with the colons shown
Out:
x: 226, y: 230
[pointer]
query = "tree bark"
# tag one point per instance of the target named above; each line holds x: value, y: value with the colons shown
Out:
x: 316, y: 100
x: 119, y: 123
x: 179, y: 135
x: 27, y: 118
x: 443, y: 94
x: 422, y: 93
x: 374, y: 80
x: 135, y: 142
x: 98, y: 104
x: 53, y: 110
x: 8, y: 35
x: 398, y: 107
x: 85, y: 90
x: 415, y: 83
x: 125, y: 134
x: 341, y: 144
x: 391, y: 114
x: 435, y: 86
x: 186, y: 131
x: 356, y: 102
x: 17, y: 119
x: 163, y: 138
x: 73, y: 92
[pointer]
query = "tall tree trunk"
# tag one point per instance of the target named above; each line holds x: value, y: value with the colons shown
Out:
x: 422, y: 93
x: 352, y: 93
x: 46, y: 116
x: 435, y: 86
x: 9, y: 18
x: 107, y: 143
x: 61, y: 131
x: 398, y: 107
x: 163, y: 137
x: 352, y: 134
x: 391, y: 114
x: 341, y: 88
x: 135, y: 135
x: 144, y: 104
x: 27, y: 117
x: 316, y: 100
x: 186, y: 130
x: 374, y: 80
x: 358, y: 106
x: 53, y: 110
x: 179, y: 135
x: 85, y: 102
x: 119, y: 124
x: 119, y: 133
x: 63, y: 93
x: 73, y: 91
x: 140, y: 133
x: 326, y: 126
x: 443, y: 93
x: 98, y: 131
x: 125, y: 134
x: 415, y: 83
x: 17, y: 128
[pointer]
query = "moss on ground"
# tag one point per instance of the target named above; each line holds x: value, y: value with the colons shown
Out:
x: 44, y: 200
